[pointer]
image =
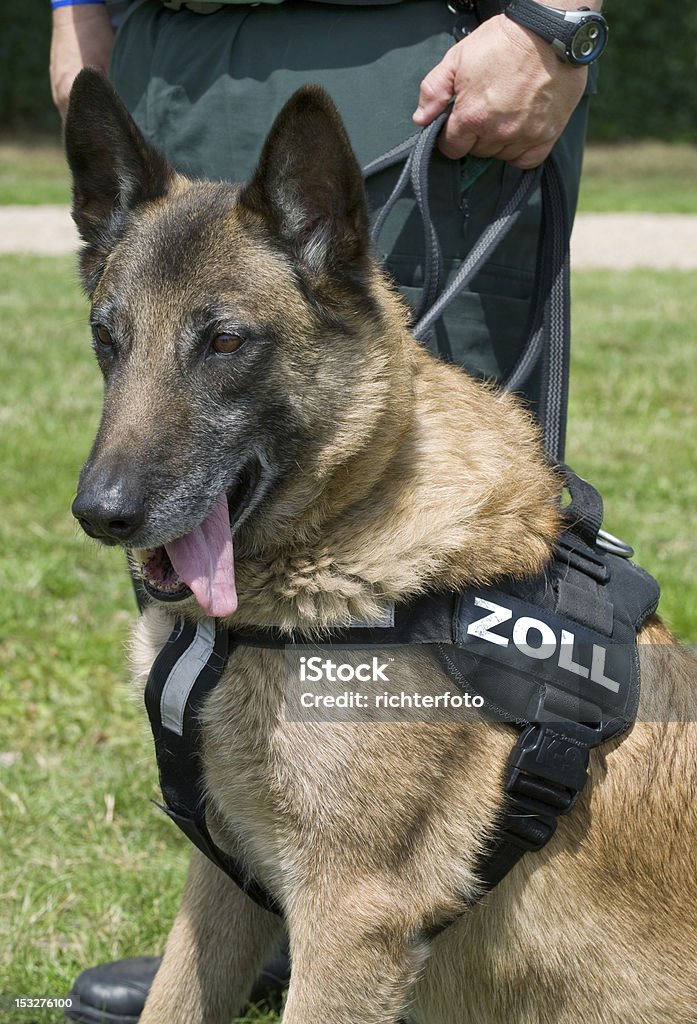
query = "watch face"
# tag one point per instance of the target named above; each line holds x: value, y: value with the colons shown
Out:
x: 588, y: 41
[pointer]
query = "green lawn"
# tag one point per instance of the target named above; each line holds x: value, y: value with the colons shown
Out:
x: 33, y: 172
x: 633, y: 420
x: 643, y: 176
x: 651, y: 177
x: 89, y: 870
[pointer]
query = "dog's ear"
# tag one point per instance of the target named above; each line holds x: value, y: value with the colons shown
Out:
x: 308, y: 185
x: 114, y: 168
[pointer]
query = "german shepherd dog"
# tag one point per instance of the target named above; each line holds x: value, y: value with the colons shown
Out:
x: 262, y: 389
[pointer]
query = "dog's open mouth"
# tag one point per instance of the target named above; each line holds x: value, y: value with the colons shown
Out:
x: 202, y: 561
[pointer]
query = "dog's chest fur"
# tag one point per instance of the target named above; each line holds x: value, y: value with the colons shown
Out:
x: 287, y: 796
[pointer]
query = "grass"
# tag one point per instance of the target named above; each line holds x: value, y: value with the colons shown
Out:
x: 652, y: 177
x: 89, y: 870
x: 639, y: 176
x: 33, y: 172
x: 633, y: 420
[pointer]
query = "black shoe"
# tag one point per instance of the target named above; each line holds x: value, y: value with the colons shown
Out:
x: 115, y: 993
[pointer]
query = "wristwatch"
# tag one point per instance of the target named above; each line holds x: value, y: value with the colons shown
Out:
x: 578, y: 37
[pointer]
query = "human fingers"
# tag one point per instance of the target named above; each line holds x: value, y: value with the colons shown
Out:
x: 531, y: 158
x: 436, y: 91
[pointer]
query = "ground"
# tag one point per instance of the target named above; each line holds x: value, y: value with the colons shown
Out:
x: 616, y: 241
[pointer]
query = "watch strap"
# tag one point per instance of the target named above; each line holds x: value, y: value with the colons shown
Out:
x: 543, y: 21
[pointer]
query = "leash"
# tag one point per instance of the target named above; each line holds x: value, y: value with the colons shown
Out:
x: 548, y: 328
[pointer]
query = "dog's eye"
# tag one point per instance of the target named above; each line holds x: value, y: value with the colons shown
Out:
x: 226, y: 342
x: 103, y: 336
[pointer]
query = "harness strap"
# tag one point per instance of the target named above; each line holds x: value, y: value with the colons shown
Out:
x: 546, y: 770
x: 546, y: 773
x: 185, y: 672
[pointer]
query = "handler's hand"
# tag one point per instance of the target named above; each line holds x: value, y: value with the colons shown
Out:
x: 81, y: 35
x: 513, y: 96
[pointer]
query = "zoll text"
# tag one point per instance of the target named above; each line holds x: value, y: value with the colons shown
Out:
x: 536, y: 639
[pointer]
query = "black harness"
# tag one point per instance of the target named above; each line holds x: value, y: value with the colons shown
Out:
x: 554, y: 656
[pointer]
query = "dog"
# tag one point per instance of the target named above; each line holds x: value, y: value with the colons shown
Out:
x: 262, y: 390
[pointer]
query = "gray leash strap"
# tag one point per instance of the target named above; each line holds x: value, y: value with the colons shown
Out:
x: 416, y: 152
x: 555, y: 390
x: 481, y: 251
x: 548, y: 333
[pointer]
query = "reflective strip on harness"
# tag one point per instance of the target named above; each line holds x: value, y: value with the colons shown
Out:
x: 182, y: 677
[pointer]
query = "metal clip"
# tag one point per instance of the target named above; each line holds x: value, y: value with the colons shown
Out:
x: 615, y: 546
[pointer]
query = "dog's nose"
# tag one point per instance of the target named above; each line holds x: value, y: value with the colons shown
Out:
x: 112, y: 515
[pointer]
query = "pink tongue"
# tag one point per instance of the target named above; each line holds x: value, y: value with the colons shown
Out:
x: 204, y: 560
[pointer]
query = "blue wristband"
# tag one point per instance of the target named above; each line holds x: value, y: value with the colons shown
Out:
x: 74, y: 3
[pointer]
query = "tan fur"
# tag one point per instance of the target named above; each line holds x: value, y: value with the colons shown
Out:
x: 368, y: 833
x: 411, y: 476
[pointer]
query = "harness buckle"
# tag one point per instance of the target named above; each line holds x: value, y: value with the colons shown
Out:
x: 547, y: 770
x: 550, y: 752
